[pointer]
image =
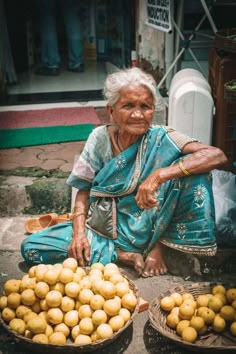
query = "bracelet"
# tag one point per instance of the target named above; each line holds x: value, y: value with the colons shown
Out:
x: 183, y: 169
x: 74, y: 215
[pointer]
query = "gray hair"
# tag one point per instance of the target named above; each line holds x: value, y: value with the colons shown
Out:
x: 120, y: 79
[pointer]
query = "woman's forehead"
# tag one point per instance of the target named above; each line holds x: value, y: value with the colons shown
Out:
x: 135, y: 90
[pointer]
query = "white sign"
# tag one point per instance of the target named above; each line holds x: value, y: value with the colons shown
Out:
x: 158, y: 14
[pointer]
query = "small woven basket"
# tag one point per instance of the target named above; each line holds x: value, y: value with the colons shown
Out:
x: 210, y: 341
x: 226, y: 40
x: 70, y: 347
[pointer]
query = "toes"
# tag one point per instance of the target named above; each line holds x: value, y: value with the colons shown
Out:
x: 145, y: 274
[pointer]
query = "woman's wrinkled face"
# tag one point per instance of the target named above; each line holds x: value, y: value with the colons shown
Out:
x: 133, y: 112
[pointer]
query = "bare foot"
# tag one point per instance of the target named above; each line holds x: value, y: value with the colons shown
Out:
x: 154, y: 263
x: 132, y: 259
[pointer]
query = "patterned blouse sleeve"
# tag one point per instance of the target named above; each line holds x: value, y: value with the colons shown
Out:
x: 179, y: 139
x: 90, y: 161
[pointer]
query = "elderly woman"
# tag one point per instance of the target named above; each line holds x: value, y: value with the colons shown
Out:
x: 139, y: 187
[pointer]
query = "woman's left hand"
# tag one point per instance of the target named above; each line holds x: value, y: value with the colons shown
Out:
x: 145, y: 195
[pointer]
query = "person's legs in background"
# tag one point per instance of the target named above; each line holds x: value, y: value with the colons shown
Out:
x: 50, y: 57
x: 70, y: 9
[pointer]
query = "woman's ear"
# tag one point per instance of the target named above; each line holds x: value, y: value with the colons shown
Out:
x: 110, y: 112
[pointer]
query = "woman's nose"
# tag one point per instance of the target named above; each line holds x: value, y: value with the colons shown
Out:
x: 137, y: 113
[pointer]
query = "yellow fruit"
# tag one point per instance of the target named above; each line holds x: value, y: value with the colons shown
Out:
x: 41, y: 289
x: 71, y: 318
x: 175, y: 310
x: 39, y: 272
x: 36, y: 307
x: 28, y: 297
x: 13, y: 300
x: 116, y: 278
x: 17, y: 325
x: 62, y: 327
x: 66, y: 275
x: 36, y: 325
x: 197, y: 323
x: 27, y: 283
x: 186, y: 296
x: 3, y: 302
x: 83, y: 339
x: 51, y: 276
x: 231, y: 295
x: 53, y: 298
x: 70, y: 263
x: 40, y: 338
x: 21, y: 311
x: 122, y: 289
x: 31, y: 271
x: 109, y: 272
x: 99, y: 317
x: 233, y: 328
x: 108, y: 290
x: 207, y: 314
x: 178, y: 298
x: 186, y: 311
x: 233, y: 304
x: 67, y: 304
x: 81, y: 272
x: 112, y: 307
x: 85, y: 311
x: 202, y: 300
x: 75, y: 331
x: 222, y: 297
x: 85, y: 283
x: 11, y: 286
x: 191, y: 303
x: 54, y: 316
x: 59, y: 287
x: 76, y: 278
x: 227, y: 312
x: 111, y: 266
x: 125, y: 313
x: 98, y: 266
x: 85, y: 296
x: 58, y: 267
x: 219, y: 289
x: 57, y: 338
x: 172, y: 320
x: 97, y: 302
x: 43, y: 314
x: 189, y: 334
x: 104, y: 331
x: 43, y: 304
x: 86, y: 326
x: 29, y: 315
x: 94, y: 336
x: 72, y: 289
x: 96, y: 285
x: 181, y: 325
x: 218, y: 324
x: 203, y: 330
x: 167, y: 303
x: 96, y: 273
x: 129, y: 301
x: 116, y: 322
x: 215, y: 303
x: 49, y: 330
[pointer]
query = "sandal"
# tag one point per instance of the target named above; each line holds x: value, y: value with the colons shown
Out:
x: 37, y: 224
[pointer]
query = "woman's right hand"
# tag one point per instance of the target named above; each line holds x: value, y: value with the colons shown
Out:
x: 80, y: 249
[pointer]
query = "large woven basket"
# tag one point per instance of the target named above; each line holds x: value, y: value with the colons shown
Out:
x: 70, y: 347
x: 208, y: 342
x: 226, y: 40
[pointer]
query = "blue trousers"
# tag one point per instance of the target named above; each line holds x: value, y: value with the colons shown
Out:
x: 47, y: 10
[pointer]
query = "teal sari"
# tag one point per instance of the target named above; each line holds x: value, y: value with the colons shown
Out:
x: 184, y: 218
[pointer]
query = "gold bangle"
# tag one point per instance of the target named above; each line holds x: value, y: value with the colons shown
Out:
x: 74, y: 215
x: 183, y: 169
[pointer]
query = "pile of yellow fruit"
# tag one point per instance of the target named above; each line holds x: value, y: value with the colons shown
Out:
x: 61, y: 303
x: 191, y: 317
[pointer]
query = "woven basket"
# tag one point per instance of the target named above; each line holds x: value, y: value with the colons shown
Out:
x: 70, y: 347
x: 226, y: 40
x: 208, y: 342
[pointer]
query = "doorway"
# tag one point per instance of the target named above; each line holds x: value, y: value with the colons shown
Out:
x: 108, y: 33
